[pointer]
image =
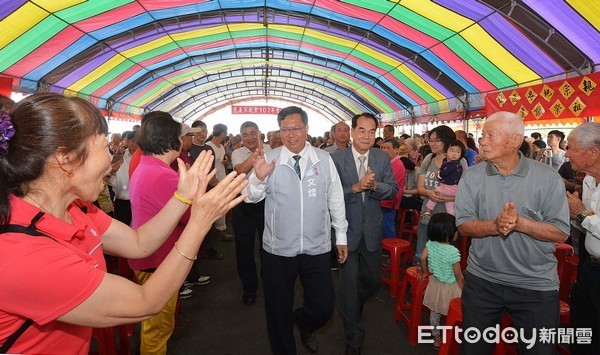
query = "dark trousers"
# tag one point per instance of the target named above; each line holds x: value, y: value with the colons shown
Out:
x: 248, y: 220
x: 360, y: 277
x: 585, y: 306
x: 484, y: 304
x: 279, y: 278
x: 123, y: 211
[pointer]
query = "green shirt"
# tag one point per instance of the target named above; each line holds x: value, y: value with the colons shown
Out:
x: 441, y: 259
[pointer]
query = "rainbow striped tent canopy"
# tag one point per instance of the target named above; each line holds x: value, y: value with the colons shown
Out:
x: 396, y: 58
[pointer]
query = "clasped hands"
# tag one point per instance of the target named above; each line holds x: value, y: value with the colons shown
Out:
x: 366, y: 183
x: 507, y: 220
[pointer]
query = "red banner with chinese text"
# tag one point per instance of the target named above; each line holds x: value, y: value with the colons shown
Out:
x: 254, y: 110
x: 567, y: 98
x: 6, y: 85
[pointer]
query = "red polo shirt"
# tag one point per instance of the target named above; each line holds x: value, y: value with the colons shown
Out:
x: 43, y: 279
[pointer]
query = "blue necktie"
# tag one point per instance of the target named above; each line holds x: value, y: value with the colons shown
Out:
x: 297, y: 165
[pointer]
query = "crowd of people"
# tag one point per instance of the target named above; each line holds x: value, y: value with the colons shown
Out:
x: 157, y: 196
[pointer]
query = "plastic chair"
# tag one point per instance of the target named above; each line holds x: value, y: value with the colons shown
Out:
x: 465, y: 243
x: 415, y: 306
x: 569, y: 276
x: 405, y: 228
x: 453, y: 319
x: 562, y: 251
x: 395, y: 247
x: 106, y: 340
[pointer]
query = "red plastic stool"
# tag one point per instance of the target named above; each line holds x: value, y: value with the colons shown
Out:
x: 404, y: 228
x: 465, y: 243
x: 569, y: 276
x: 396, y: 247
x: 106, y: 340
x: 413, y: 319
x: 562, y: 251
x: 454, y: 318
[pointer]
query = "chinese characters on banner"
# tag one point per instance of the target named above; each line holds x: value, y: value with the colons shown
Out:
x: 254, y: 110
x: 568, y: 98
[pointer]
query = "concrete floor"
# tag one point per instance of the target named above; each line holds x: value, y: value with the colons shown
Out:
x: 215, y: 321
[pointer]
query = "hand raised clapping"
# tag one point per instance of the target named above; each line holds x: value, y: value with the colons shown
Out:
x: 262, y: 169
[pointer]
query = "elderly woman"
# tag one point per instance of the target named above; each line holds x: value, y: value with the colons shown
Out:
x: 412, y: 146
x: 53, y: 156
x: 439, y: 139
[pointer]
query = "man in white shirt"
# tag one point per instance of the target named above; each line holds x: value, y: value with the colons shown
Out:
x: 341, y: 135
x: 120, y: 180
x: 303, y: 198
x: 219, y: 135
x: 248, y: 219
x: 584, y: 155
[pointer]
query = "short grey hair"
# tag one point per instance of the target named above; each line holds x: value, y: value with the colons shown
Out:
x: 587, y: 135
x: 512, y: 122
x: 412, y: 143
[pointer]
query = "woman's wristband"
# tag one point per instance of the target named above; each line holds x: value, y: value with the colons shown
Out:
x: 182, y: 199
x: 185, y: 256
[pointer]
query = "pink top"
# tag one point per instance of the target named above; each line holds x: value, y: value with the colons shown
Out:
x: 150, y: 188
x: 400, y: 175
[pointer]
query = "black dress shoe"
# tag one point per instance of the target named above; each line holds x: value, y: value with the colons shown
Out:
x: 309, y: 340
x: 350, y: 350
x: 249, y: 298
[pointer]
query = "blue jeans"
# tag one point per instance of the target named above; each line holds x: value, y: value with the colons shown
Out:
x: 389, y: 222
x: 421, y: 237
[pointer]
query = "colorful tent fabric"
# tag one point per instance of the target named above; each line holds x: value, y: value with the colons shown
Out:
x: 409, y: 57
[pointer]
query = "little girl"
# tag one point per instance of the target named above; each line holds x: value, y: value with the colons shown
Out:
x: 443, y: 260
x: 449, y: 174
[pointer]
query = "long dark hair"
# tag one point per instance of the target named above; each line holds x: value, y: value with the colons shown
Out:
x: 44, y: 124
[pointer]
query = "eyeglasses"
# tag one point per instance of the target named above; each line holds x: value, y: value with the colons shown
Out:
x: 434, y: 140
x: 296, y: 130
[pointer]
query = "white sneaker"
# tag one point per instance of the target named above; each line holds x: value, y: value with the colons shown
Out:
x: 186, y: 293
x: 203, y: 280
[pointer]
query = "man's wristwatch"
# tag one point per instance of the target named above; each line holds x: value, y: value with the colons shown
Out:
x: 583, y: 215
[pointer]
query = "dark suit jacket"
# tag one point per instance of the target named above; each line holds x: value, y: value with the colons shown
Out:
x: 364, y: 217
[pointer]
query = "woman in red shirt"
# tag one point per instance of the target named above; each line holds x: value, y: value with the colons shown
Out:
x: 53, y: 156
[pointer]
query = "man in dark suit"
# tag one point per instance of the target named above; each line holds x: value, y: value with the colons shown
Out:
x: 367, y: 178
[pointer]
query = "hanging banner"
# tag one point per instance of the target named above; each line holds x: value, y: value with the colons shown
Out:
x: 575, y: 97
x: 6, y: 85
x: 254, y: 110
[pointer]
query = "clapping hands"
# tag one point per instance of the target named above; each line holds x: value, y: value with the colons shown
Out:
x: 262, y: 169
x: 507, y: 220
